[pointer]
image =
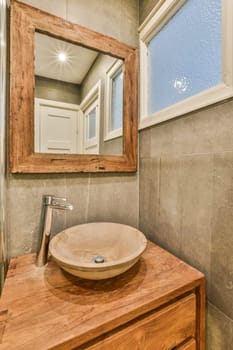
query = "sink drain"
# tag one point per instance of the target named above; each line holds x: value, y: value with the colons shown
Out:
x: 99, y: 259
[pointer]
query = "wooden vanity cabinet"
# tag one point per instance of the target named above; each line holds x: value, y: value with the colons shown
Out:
x: 162, y: 329
x: 159, y: 304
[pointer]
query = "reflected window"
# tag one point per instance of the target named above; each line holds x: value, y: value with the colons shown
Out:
x: 91, y: 124
x: 117, y: 101
x: 114, y: 100
x: 90, y: 107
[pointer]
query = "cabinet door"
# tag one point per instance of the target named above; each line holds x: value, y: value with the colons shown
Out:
x: 163, y: 329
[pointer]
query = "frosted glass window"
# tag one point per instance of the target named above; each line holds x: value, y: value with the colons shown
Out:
x: 185, y: 56
x: 117, y: 101
x: 92, y: 124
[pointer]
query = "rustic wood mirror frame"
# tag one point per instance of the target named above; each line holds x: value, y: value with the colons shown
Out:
x: 25, y: 21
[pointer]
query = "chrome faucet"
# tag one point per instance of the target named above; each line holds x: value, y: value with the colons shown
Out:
x: 49, y: 203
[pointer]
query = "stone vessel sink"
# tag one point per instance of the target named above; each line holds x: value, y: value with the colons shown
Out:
x: 97, y: 250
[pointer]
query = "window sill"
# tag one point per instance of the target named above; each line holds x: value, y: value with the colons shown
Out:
x: 113, y: 135
x: 203, y: 99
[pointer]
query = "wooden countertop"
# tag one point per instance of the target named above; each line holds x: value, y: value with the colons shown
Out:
x: 45, y: 308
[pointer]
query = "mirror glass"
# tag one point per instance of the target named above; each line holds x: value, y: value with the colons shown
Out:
x: 78, y: 99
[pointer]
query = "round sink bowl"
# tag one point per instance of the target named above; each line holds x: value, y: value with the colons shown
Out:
x: 97, y: 250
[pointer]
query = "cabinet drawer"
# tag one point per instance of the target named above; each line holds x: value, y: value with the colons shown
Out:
x: 191, y: 345
x: 164, y: 329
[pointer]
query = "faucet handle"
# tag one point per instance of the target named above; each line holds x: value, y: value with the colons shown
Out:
x: 59, y: 199
x: 48, y: 199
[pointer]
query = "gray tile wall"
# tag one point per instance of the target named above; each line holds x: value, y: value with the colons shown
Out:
x: 186, y: 200
x: 112, y: 197
x: 95, y: 198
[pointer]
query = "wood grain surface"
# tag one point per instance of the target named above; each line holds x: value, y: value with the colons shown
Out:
x: 190, y: 345
x: 161, y: 330
x: 45, y: 308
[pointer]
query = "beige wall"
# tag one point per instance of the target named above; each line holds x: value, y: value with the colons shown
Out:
x: 186, y: 202
x: 95, y: 197
x: 56, y: 90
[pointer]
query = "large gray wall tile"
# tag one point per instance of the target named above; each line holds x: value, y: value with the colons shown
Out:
x: 219, y: 330
x: 160, y: 205
x: 149, y: 197
x: 24, y: 199
x: 208, y: 130
x: 165, y: 138
x: 221, y: 287
x: 221, y: 290
x: 144, y: 139
x: 77, y: 193
x: 196, y: 132
x: 223, y: 176
x: 113, y: 198
x: 200, y: 185
x: 169, y: 216
x: 203, y: 199
x: 196, y: 221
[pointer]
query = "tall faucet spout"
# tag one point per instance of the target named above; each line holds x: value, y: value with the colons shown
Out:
x: 49, y: 203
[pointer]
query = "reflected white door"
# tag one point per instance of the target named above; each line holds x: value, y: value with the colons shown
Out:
x: 56, y: 127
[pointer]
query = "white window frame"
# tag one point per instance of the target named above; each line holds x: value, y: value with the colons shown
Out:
x: 91, y: 101
x: 111, y: 72
x: 160, y: 15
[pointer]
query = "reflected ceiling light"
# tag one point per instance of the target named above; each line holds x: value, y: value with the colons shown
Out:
x: 62, y: 56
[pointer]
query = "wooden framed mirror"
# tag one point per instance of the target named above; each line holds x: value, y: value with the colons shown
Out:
x: 27, y: 151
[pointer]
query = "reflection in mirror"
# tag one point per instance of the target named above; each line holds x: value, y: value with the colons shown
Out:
x: 78, y: 99
x: 33, y: 139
